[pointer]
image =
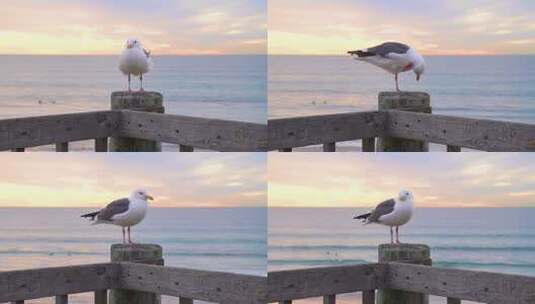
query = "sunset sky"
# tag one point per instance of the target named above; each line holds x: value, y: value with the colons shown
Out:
x: 175, y: 180
x: 436, y: 179
x: 434, y: 27
x: 102, y: 27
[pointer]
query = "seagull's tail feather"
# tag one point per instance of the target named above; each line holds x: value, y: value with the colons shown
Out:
x: 363, y: 217
x: 91, y: 216
x: 361, y: 54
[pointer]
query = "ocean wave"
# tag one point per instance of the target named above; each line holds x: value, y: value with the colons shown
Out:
x: 374, y: 247
x: 315, y: 262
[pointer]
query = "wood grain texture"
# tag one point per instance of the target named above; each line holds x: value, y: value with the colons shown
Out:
x: 101, y: 296
x: 49, y: 282
x: 62, y: 147
x: 329, y: 299
x: 479, y: 134
x: 315, y: 130
x: 182, y: 300
x: 368, y: 144
x: 62, y: 299
x: 184, y: 148
x: 368, y: 297
x: 101, y: 144
x: 477, y: 286
x: 219, y: 287
x: 52, y: 129
x: 317, y: 282
x: 453, y: 301
x: 329, y: 147
x: 212, y: 134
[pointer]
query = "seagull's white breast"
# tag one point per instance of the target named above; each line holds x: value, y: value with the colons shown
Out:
x: 135, y: 214
x: 134, y: 61
x: 401, y: 215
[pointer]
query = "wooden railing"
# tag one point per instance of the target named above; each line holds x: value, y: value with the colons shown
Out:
x: 454, y: 132
x: 186, y: 284
x: 454, y: 284
x: 188, y: 132
x: 281, y: 286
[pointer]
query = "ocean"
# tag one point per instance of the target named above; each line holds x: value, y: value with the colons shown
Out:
x: 491, y: 87
x: 222, y: 239
x: 497, y: 240
x: 224, y: 87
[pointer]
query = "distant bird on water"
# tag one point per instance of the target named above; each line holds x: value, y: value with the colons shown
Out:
x: 394, y: 212
x: 124, y: 212
x: 393, y: 57
x: 135, y: 60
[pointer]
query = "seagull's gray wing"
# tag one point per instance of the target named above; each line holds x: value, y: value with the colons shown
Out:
x: 147, y: 52
x: 116, y: 207
x: 383, y: 208
x: 389, y: 47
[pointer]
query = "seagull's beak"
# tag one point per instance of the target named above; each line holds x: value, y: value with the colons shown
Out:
x: 150, y: 197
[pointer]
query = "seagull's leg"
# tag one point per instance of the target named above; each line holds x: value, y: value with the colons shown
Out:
x: 391, y: 235
x: 141, y: 80
x: 397, y: 234
x: 129, y: 90
x: 129, y: 237
x: 124, y: 237
x: 397, y: 83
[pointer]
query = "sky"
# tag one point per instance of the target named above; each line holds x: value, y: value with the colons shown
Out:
x: 94, y: 179
x: 435, y: 179
x: 163, y: 26
x: 446, y: 27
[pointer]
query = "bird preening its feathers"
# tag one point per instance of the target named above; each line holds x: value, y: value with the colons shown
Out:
x: 135, y: 60
x: 393, y: 212
x: 124, y: 212
x: 393, y: 57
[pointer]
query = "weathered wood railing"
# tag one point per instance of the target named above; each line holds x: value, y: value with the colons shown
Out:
x: 455, y: 132
x: 188, y: 132
x: 186, y: 284
x: 455, y: 284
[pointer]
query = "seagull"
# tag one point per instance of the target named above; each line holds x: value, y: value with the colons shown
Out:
x: 393, y: 212
x: 393, y: 57
x: 135, y: 60
x: 124, y: 212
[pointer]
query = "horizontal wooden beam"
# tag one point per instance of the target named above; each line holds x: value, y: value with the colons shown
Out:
x: 49, y: 282
x: 212, y: 286
x: 52, y: 129
x: 322, y: 281
x: 480, y: 134
x: 212, y: 134
x: 470, y: 285
x: 314, y: 130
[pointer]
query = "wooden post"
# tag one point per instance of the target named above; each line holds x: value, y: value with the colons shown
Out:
x: 182, y: 300
x: 368, y: 144
x: 329, y: 147
x: 101, y: 297
x: 403, y: 101
x: 136, y: 101
x: 63, y: 299
x: 330, y: 299
x: 101, y: 144
x: 135, y: 253
x: 62, y: 147
x: 403, y: 253
x: 368, y: 297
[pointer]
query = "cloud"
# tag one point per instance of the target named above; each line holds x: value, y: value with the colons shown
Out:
x: 101, y: 27
x: 433, y: 27
x: 437, y: 180
x: 92, y: 180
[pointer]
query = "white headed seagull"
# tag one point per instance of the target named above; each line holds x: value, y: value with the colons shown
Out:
x: 135, y: 60
x: 393, y: 57
x: 393, y: 213
x: 124, y: 212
